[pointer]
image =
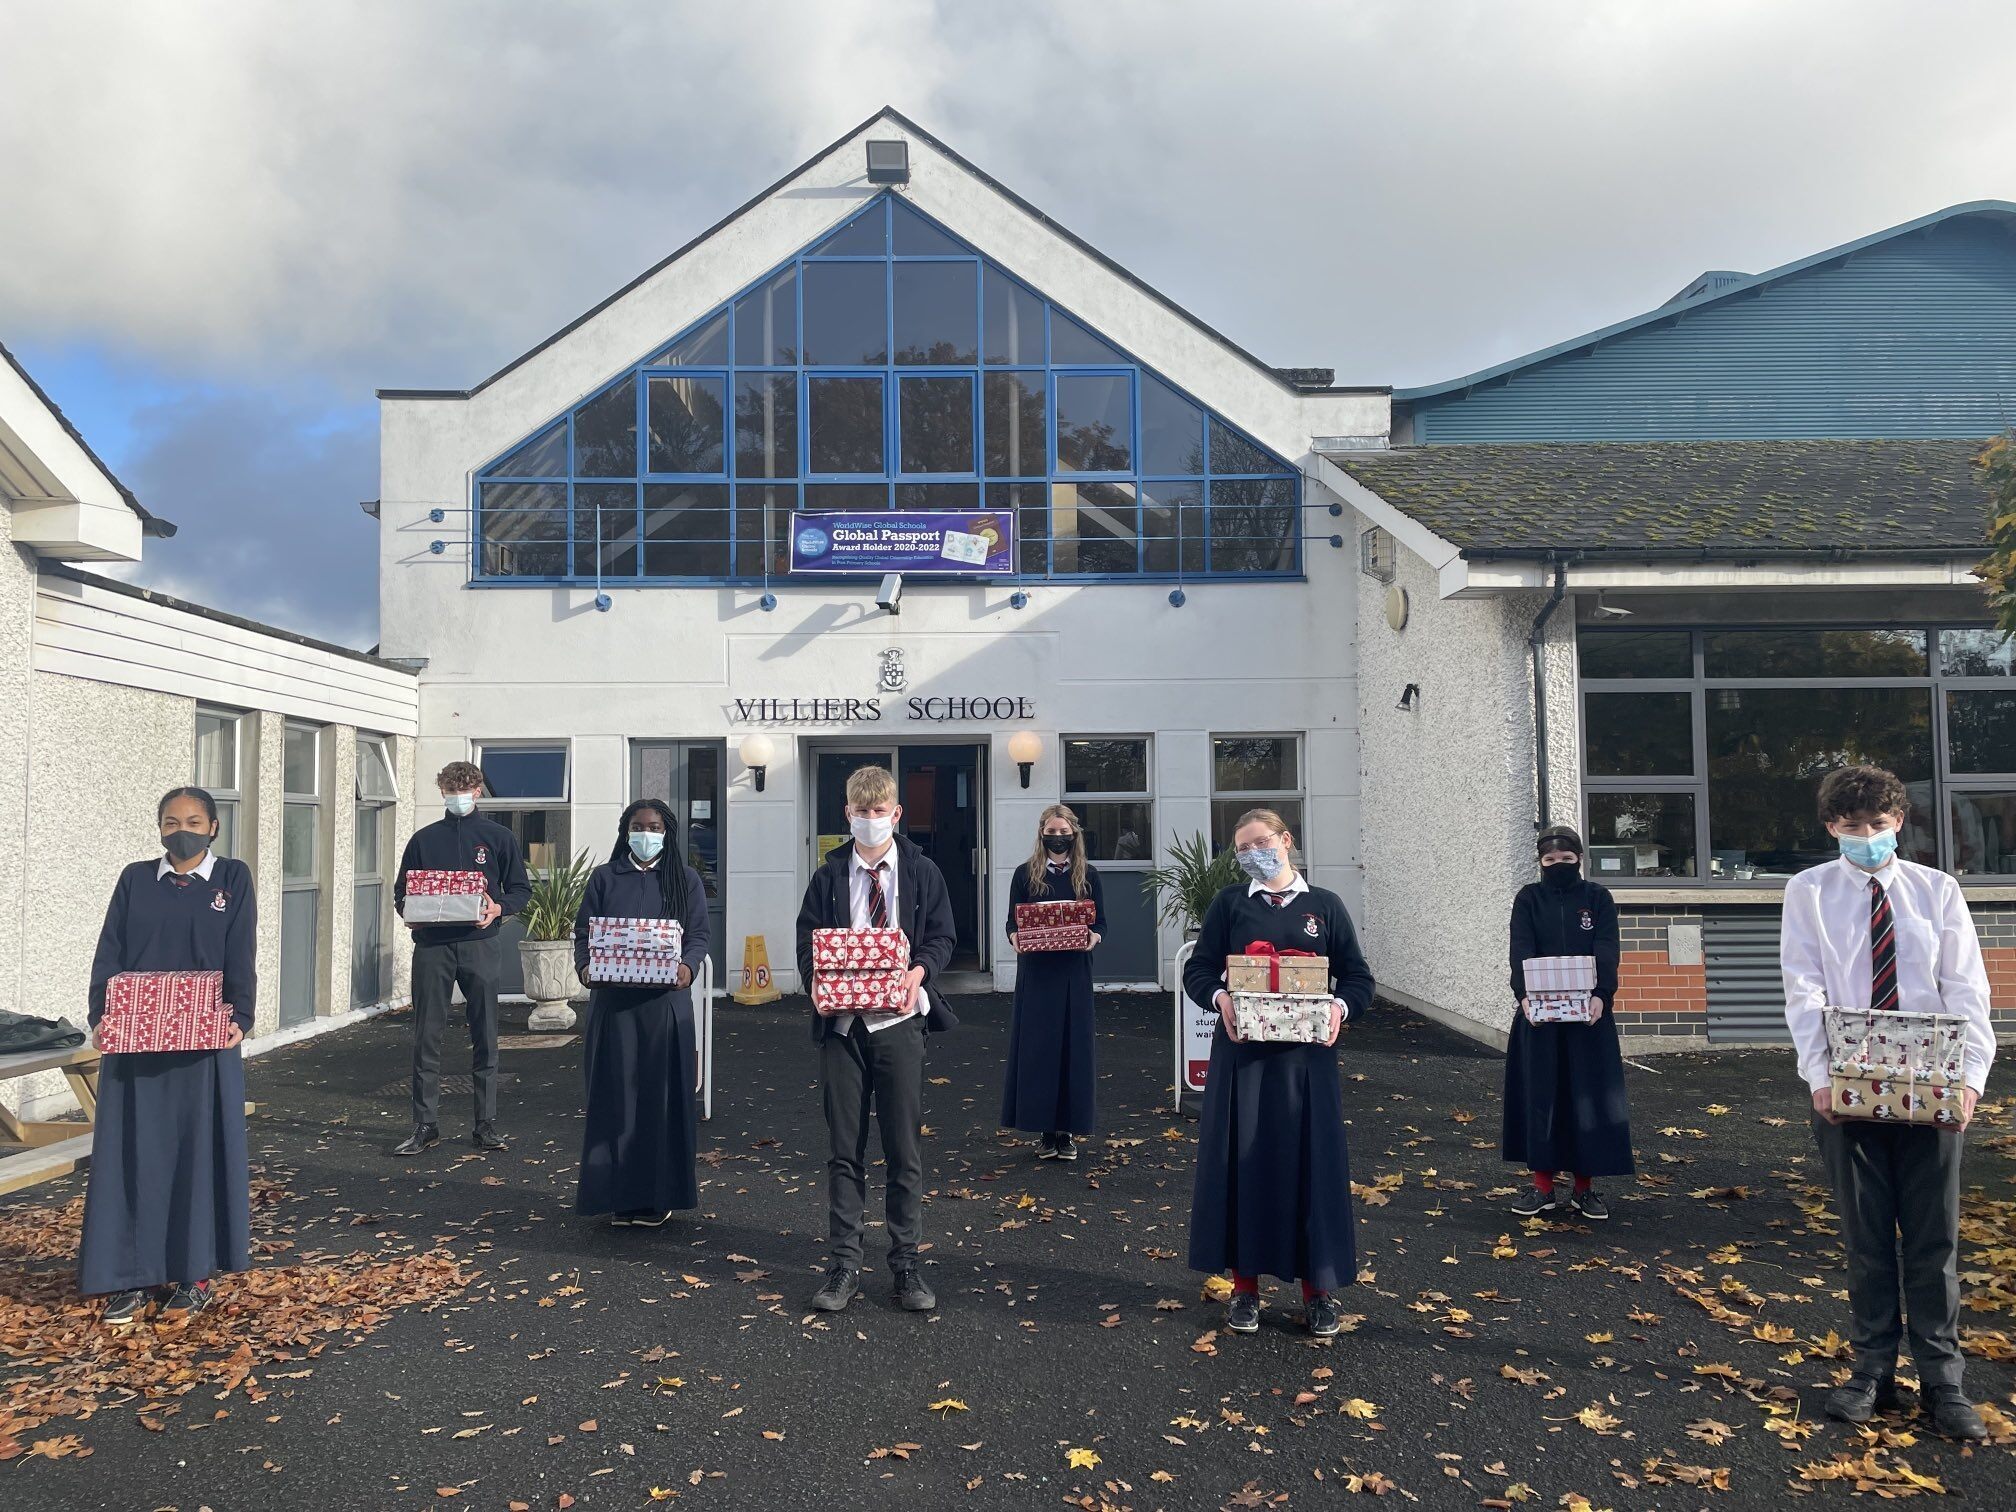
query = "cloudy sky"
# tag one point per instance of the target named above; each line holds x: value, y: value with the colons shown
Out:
x: 229, y: 222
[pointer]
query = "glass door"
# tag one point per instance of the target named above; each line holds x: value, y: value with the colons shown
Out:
x: 686, y: 775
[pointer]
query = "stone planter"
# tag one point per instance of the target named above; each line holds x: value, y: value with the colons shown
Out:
x: 549, y: 982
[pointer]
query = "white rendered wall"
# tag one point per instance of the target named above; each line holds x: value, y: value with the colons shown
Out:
x: 17, y: 631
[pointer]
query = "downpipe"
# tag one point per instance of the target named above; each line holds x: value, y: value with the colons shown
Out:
x: 1537, y: 642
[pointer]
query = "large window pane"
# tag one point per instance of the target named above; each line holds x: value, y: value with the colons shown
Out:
x: 935, y: 423
x: 217, y: 752
x: 1172, y: 431
x: 1981, y: 729
x: 543, y: 834
x: 762, y: 529
x: 1253, y: 525
x: 605, y: 529
x: 705, y: 346
x: 364, y: 851
x: 1172, y: 521
x: 1106, y: 766
x: 374, y: 770
x: 544, y: 456
x: 300, y: 761
x: 517, y: 772
x: 226, y: 843
x: 1016, y: 425
x: 766, y: 425
x: 1094, y: 527
x: 1095, y: 422
x: 914, y: 236
x: 766, y: 324
x: 1233, y: 453
x: 1071, y: 342
x: 845, y: 498
x: 1014, y: 325
x: 957, y: 497
x: 864, y: 236
x: 1226, y: 812
x: 686, y: 530
x: 1768, y: 748
x: 1639, y: 734
x: 1814, y: 653
x: 1030, y: 505
x: 687, y: 429
x: 1117, y: 831
x: 846, y: 314
x: 1640, y: 835
x: 524, y: 543
x: 937, y: 312
x: 1254, y: 763
x: 1984, y: 833
x: 1635, y: 653
x: 605, y: 434
x: 298, y: 828
x: 1977, y: 653
x: 845, y: 424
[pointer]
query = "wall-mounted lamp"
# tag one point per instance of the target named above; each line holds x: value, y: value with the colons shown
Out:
x: 889, y: 162
x: 756, y: 752
x: 1024, y: 747
x: 1410, y: 699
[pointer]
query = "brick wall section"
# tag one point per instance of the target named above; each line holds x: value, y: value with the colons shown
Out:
x: 1996, y: 923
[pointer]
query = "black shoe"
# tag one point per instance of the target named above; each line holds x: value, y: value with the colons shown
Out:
x: 1321, y: 1314
x: 1590, y: 1206
x: 1242, y: 1313
x: 1067, y: 1147
x: 1863, y: 1397
x: 184, y: 1304
x: 912, y: 1295
x: 1950, y: 1415
x: 1534, y: 1203
x: 842, y: 1283
x: 1049, y: 1150
x: 124, y: 1309
x: 485, y: 1136
x: 423, y: 1137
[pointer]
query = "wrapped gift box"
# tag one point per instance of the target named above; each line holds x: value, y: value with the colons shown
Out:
x: 666, y: 936
x: 859, y: 950
x: 1896, y: 1067
x: 1049, y: 938
x: 1561, y: 989
x: 148, y: 1012
x: 444, y: 897
x: 1282, y: 1017
x: 882, y: 990
x: 1064, y: 925
x: 1562, y: 1007
x: 1263, y: 968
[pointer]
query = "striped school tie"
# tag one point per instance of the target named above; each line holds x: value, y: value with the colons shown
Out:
x: 1882, y: 950
x: 878, y: 901
x: 1276, y: 899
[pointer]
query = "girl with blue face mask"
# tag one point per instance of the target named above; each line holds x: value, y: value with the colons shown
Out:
x: 640, y: 1049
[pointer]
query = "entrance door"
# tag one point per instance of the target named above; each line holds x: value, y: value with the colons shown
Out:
x: 686, y: 776
x: 941, y: 788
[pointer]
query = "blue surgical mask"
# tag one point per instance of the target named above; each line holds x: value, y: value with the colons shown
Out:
x: 1261, y: 865
x: 461, y: 805
x: 645, y: 844
x: 1871, y: 851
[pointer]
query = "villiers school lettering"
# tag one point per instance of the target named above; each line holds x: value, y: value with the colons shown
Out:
x: 869, y: 710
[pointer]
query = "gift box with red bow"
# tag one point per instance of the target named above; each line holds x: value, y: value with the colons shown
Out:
x: 444, y: 897
x: 1063, y: 925
x: 1282, y: 1017
x: 149, y: 1012
x: 1262, y: 967
x: 859, y: 950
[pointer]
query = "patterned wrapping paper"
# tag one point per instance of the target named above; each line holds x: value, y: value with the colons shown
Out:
x: 444, y: 897
x: 878, y: 991
x: 443, y: 883
x: 1046, y: 938
x: 1896, y: 1067
x: 1057, y: 915
x: 1563, y: 1007
x: 1561, y: 989
x: 657, y: 967
x: 1282, y: 1017
x: 859, y: 950
x: 651, y: 935
x: 1266, y: 969
x: 150, y: 1012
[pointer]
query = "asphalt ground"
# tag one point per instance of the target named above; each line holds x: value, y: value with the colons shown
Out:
x: 1674, y: 1357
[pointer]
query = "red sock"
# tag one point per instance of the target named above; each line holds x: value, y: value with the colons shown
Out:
x: 1308, y: 1291
x: 1582, y: 1184
x: 1248, y: 1284
x: 1543, y: 1181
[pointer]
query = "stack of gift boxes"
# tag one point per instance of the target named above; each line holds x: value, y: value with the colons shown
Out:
x: 1896, y: 1067
x: 1055, y: 926
x: 859, y: 970
x: 147, y: 1012
x: 634, y: 950
x: 444, y: 897
x: 1561, y: 989
x: 1279, y: 997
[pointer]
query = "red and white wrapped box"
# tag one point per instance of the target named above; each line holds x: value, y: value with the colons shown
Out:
x: 1293, y: 1018
x: 650, y: 935
x: 1063, y: 925
x: 637, y: 967
x: 859, y: 950
x: 149, y: 1012
x: 879, y: 991
x: 444, y: 897
x: 1561, y: 989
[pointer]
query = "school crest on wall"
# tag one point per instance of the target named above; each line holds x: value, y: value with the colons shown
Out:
x: 893, y: 678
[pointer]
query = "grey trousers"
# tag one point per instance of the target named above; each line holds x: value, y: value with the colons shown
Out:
x: 886, y: 1071
x: 437, y: 971
x: 1897, y: 1189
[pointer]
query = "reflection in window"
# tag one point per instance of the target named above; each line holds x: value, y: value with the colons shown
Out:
x: 605, y: 433
x: 766, y: 323
x: 1172, y: 527
x: 846, y: 424
x: 1977, y: 653
x: 686, y: 416
x: 1981, y: 729
x: 1172, y: 433
x: 1016, y: 425
x: 846, y: 314
x: 1635, y: 653
x: 706, y: 347
x: 685, y: 530
x: 766, y: 425
x: 1095, y: 423
x: 937, y: 313
x: 1984, y: 832
x: 605, y: 517
x: 1029, y: 503
x: 1252, y: 525
x: 1014, y: 323
x: 1638, y: 734
x: 1640, y: 835
x: 762, y: 527
x: 935, y: 422
x: 1094, y: 527
x: 1814, y: 653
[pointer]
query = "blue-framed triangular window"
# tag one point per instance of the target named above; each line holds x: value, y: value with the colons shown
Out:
x: 888, y: 366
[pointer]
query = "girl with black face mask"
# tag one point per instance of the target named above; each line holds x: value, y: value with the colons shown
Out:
x: 1565, y: 1107
x: 1049, y: 1085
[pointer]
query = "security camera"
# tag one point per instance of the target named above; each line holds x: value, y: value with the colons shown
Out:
x: 890, y: 595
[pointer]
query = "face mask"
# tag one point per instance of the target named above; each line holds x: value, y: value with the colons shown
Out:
x: 646, y: 844
x: 186, y: 845
x: 1058, y: 845
x: 1261, y: 865
x: 1871, y: 851
x: 872, y: 833
x: 461, y: 805
x: 1561, y: 874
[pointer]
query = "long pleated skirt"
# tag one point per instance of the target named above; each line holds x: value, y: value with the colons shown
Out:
x: 1048, y: 1089
x: 1565, y: 1107
x: 643, y: 1124
x: 169, y: 1198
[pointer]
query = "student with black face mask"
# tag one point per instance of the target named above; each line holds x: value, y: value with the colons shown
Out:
x: 1050, y: 1067
x: 1565, y: 1108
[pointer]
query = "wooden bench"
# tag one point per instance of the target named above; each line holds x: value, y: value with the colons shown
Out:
x: 55, y: 1148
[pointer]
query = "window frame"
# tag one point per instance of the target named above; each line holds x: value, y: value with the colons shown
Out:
x: 315, y: 801
x: 1262, y: 797
x: 1072, y: 799
x: 230, y: 799
x: 564, y: 804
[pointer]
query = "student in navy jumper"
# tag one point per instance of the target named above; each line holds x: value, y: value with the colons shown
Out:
x: 1565, y: 1107
x: 168, y: 1204
x: 1049, y: 1086
x: 1273, y: 1190
x: 470, y: 956
x: 880, y: 881
x: 641, y: 1053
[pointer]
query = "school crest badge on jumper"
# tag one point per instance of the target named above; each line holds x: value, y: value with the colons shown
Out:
x: 1588, y: 919
x: 220, y: 900
x: 1312, y: 926
x: 483, y: 859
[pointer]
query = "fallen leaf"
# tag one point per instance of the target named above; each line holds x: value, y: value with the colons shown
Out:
x: 1080, y: 1459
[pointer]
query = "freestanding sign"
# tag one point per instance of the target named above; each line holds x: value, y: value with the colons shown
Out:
x: 981, y: 542
x: 1194, y: 1027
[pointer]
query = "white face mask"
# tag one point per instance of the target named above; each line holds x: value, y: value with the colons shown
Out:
x: 870, y: 834
x: 460, y: 804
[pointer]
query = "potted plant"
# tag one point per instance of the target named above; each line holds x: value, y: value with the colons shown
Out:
x: 1192, y: 878
x: 547, y: 951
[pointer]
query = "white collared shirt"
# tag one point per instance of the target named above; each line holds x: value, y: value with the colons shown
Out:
x: 1823, y: 950
x: 860, y: 916
x: 1299, y: 885
x: 201, y: 869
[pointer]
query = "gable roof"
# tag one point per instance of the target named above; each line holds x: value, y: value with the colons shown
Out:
x: 1721, y: 286
x: 1689, y: 500
x: 150, y: 524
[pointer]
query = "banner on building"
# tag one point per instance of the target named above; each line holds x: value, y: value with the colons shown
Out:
x: 968, y: 543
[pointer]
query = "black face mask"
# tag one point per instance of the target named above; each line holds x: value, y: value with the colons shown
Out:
x: 186, y: 845
x: 1058, y: 845
x: 1561, y: 874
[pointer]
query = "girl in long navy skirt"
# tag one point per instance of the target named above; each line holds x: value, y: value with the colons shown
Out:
x: 1565, y: 1108
x: 1049, y: 1085
x: 169, y: 1200
x: 1273, y: 1193
x: 641, y: 1050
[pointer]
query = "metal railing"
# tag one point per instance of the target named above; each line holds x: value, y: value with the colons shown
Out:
x: 703, y: 1014
x: 1179, y: 1007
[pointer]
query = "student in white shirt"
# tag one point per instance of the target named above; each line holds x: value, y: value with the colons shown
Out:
x: 1872, y: 931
